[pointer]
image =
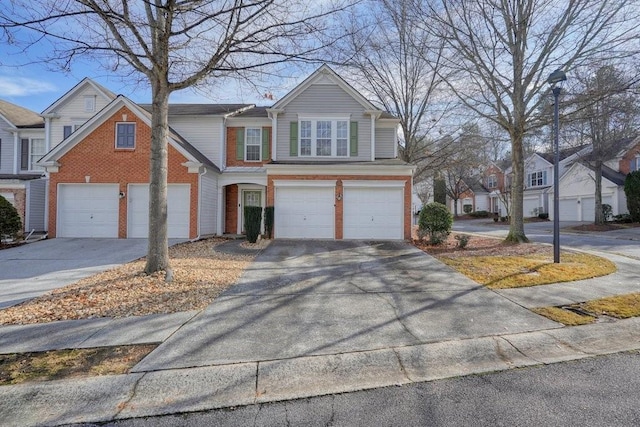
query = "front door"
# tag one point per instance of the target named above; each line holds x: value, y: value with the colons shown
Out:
x: 249, y: 198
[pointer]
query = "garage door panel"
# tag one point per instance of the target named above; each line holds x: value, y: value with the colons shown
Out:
x: 88, y: 210
x: 305, y: 212
x: 529, y: 206
x: 373, y: 213
x: 588, y: 206
x: 568, y: 209
x: 178, y: 210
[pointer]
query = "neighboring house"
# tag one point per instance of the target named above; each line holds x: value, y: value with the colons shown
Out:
x: 494, y: 182
x: 577, y: 185
x: 22, y: 182
x: 323, y: 156
x: 476, y: 197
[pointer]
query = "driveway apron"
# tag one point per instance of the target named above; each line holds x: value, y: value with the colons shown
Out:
x: 303, y: 298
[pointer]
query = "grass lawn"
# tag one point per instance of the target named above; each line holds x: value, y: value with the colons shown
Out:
x: 619, y: 307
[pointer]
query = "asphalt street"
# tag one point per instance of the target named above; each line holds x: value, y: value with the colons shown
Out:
x: 599, y: 391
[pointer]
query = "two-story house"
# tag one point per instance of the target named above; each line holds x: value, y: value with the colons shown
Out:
x: 22, y: 143
x: 323, y: 155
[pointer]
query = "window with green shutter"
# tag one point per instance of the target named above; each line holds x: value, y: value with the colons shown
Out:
x: 293, y: 139
x: 265, y: 143
x: 354, y: 139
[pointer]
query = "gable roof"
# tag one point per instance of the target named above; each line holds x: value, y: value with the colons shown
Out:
x: 612, y: 175
x: 106, y: 93
x: 175, y: 139
x: 20, y: 117
x: 563, y: 153
x: 325, y: 72
x: 203, y: 109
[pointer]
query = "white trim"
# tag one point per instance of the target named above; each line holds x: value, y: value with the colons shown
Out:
x: 304, y: 183
x: 73, y: 90
x: 223, y: 148
x: 374, y: 183
x: 220, y: 210
x: 274, y: 132
x: 246, y: 144
x: 314, y: 137
x: 228, y: 178
x: 240, y: 212
x: 347, y: 168
x: 373, y: 137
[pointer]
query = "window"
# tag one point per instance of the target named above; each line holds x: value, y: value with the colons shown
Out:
x: 492, y: 181
x: 634, y: 164
x: 68, y: 130
x: 324, y: 138
x: 253, y: 142
x: 537, y: 179
x: 125, y: 135
x: 89, y: 103
x: 37, y: 149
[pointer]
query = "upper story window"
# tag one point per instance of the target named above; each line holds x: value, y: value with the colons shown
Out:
x: 125, y: 135
x: 68, y: 130
x: 324, y: 138
x: 253, y: 145
x: 89, y: 103
x: 31, y: 150
x: 634, y: 164
x: 492, y: 181
x: 537, y: 179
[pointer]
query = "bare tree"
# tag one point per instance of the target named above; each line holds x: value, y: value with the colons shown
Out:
x: 171, y: 45
x: 398, y: 63
x: 606, y: 114
x: 503, y: 51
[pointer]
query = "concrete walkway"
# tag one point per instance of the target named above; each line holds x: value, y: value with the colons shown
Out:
x: 310, y: 319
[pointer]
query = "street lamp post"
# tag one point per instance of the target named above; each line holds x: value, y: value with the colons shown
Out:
x: 554, y: 79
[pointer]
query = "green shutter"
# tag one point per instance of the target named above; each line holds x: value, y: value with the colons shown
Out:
x: 240, y: 144
x: 265, y: 144
x: 354, y: 139
x: 293, y: 139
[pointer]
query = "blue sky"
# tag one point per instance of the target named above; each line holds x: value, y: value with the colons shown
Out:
x: 35, y: 85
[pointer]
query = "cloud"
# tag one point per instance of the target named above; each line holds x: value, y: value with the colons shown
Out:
x: 22, y: 86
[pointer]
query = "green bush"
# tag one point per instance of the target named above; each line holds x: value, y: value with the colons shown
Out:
x: 467, y: 209
x: 252, y: 220
x: 463, y: 240
x: 543, y: 215
x: 479, y: 214
x: 10, y: 223
x: 434, y: 221
x: 268, y: 221
x: 607, y: 212
x: 622, y: 218
x: 632, y: 191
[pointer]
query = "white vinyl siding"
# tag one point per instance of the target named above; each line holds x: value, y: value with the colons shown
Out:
x: 323, y: 102
x: 36, y: 191
x: 385, y: 140
x: 6, y: 152
x: 203, y: 132
x: 208, y: 203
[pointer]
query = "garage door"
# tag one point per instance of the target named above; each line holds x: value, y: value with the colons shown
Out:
x: 373, y: 213
x: 305, y: 212
x: 178, y: 209
x: 588, y: 206
x: 530, y: 206
x: 568, y: 209
x: 87, y: 210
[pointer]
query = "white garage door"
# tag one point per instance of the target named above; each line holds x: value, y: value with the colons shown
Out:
x: 304, y: 212
x: 588, y: 206
x: 530, y: 206
x: 178, y: 208
x: 568, y: 209
x: 373, y: 213
x: 88, y: 210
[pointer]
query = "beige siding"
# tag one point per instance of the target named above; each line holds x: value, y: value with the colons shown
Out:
x: 72, y: 112
x: 36, y: 191
x: 208, y: 201
x: 384, y: 143
x: 325, y: 100
x: 6, y: 152
x: 204, y: 133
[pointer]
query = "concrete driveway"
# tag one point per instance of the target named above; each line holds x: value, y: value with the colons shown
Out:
x: 30, y: 270
x: 304, y: 298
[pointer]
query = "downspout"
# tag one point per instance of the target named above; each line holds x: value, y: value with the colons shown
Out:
x: 200, y: 175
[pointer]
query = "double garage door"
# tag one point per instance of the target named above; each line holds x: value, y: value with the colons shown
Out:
x: 92, y: 210
x: 571, y: 210
x: 369, y: 211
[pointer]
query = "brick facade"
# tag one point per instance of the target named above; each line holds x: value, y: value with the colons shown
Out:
x: 339, y: 204
x: 97, y: 157
x: 494, y: 170
x: 232, y: 159
x: 624, y: 165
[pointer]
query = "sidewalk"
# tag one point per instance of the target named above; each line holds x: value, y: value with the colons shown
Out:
x: 171, y: 383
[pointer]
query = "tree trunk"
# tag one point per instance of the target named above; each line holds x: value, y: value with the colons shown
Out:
x: 455, y: 208
x: 599, y: 215
x: 158, y: 253
x: 516, y: 228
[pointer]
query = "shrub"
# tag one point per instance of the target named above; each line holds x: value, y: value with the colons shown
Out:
x: 434, y: 221
x: 10, y: 223
x: 632, y: 191
x: 503, y: 219
x: 607, y: 212
x: 463, y: 240
x: 479, y: 214
x: 622, y: 218
x: 543, y: 215
x: 467, y: 209
x: 252, y: 220
x: 268, y: 221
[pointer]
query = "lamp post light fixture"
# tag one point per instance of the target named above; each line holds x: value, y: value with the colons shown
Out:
x: 556, y: 78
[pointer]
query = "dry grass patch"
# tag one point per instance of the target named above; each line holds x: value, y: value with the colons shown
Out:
x: 566, y: 317
x: 200, y: 275
x: 619, y: 306
x: 497, y: 265
x: 58, y: 364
